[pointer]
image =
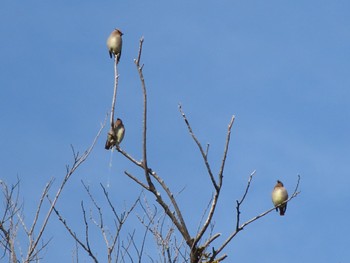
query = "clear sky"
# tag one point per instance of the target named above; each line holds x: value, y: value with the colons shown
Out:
x: 281, y: 67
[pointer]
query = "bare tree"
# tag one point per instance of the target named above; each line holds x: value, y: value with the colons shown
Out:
x: 9, y: 222
x: 163, y: 219
x: 111, y: 238
x: 198, y: 248
x: 12, y: 215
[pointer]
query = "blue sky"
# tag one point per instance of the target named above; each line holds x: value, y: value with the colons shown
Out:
x: 281, y: 67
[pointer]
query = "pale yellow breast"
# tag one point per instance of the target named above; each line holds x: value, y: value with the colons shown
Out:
x: 279, y: 195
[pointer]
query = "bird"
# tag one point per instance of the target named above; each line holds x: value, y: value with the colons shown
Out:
x: 114, y: 44
x: 279, y: 195
x: 115, y: 134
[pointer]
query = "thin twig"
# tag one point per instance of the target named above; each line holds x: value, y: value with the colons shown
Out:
x: 128, y: 156
x: 46, y: 190
x: 11, y: 209
x: 204, y: 155
x: 87, y: 233
x: 180, y: 225
x: 221, y: 172
x: 196, y: 252
x: 242, y: 199
x: 144, y: 130
x: 73, y: 234
x: 137, y: 180
x: 240, y: 228
x: 77, y: 162
x: 114, y: 100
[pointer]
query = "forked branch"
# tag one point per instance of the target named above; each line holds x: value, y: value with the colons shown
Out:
x: 78, y: 160
x: 177, y: 219
x: 241, y: 227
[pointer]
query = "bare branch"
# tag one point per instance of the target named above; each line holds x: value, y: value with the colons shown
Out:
x: 132, y: 159
x: 144, y: 131
x: 73, y: 234
x: 204, y: 154
x: 180, y: 225
x: 46, y: 190
x: 126, y: 248
x: 218, y: 186
x: 240, y: 228
x: 204, y: 213
x: 207, y: 150
x: 121, y: 219
x: 137, y: 180
x: 157, y: 230
x: 114, y: 100
x: 242, y: 199
x: 9, y: 232
x: 77, y: 162
x: 221, y: 172
x: 89, y: 251
x: 211, y: 239
x: 182, y: 228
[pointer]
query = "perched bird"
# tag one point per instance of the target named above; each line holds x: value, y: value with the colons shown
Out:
x: 115, y: 134
x: 110, y: 140
x: 114, y: 44
x: 279, y: 195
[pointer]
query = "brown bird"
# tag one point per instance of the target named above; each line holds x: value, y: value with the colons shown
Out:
x: 115, y: 134
x: 279, y: 195
x: 114, y: 44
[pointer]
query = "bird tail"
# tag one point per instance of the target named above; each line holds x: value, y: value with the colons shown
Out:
x: 283, y: 209
x: 108, y: 145
x: 109, y: 142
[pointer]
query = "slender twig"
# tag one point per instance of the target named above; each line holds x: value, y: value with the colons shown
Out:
x: 121, y: 219
x: 126, y: 248
x: 144, y: 130
x: 144, y: 240
x: 158, y: 196
x: 100, y: 223
x: 221, y: 172
x: 137, y: 180
x: 157, y: 229
x: 211, y: 239
x: 114, y: 100
x: 78, y: 160
x: 180, y: 225
x: 73, y: 234
x: 242, y: 199
x: 46, y: 190
x: 207, y: 150
x: 204, y: 213
x: 204, y: 154
x: 87, y: 233
x: 241, y: 227
x: 11, y: 209
x: 150, y: 214
x: 219, y: 185
x: 128, y: 156
x: 106, y: 194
